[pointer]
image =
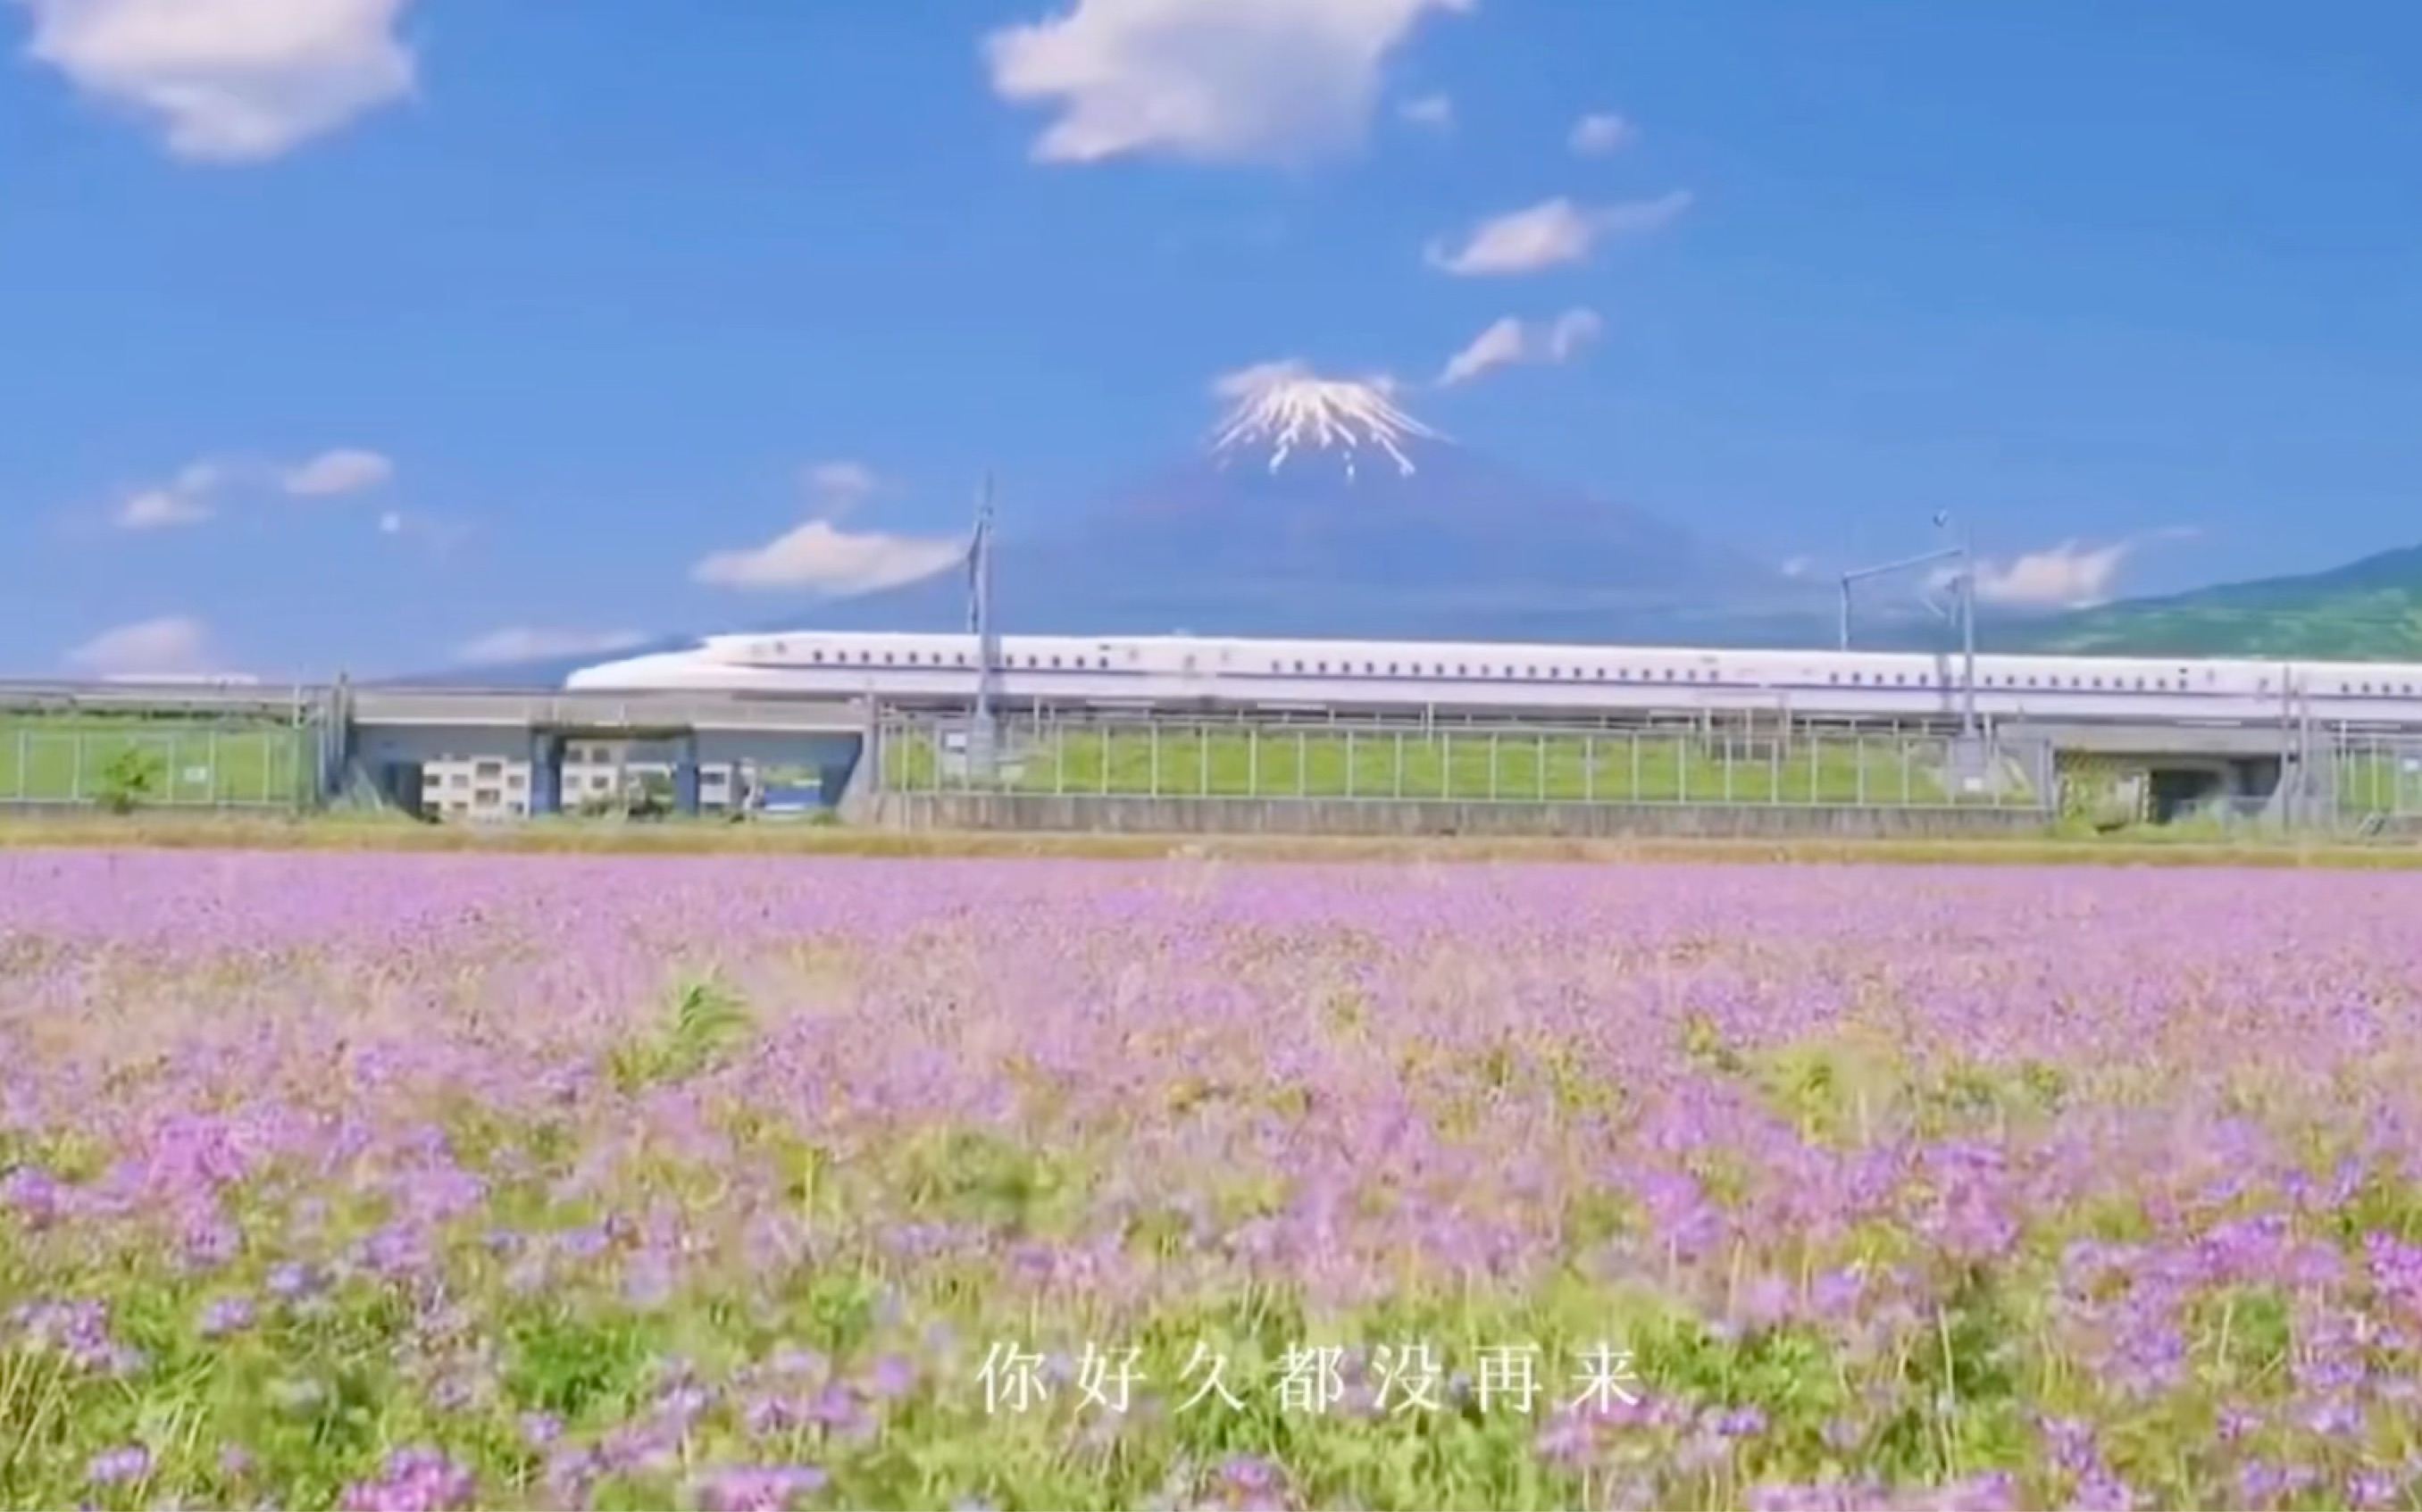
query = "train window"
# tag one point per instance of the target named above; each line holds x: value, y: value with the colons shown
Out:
x: 1298, y: 667
x: 781, y: 648
x: 1323, y: 665
x: 1459, y: 669
x: 1669, y: 674
x: 815, y: 655
x: 886, y: 658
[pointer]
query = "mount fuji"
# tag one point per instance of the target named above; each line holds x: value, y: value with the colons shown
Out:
x: 1322, y: 507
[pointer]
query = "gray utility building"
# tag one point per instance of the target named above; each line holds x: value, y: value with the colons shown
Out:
x: 487, y: 754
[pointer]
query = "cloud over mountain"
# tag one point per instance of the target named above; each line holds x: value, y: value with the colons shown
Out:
x: 171, y: 646
x: 520, y: 643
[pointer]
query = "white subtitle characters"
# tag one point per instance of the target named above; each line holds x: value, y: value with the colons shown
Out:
x: 1509, y: 1372
x: 1216, y: 1364
x: 1409, y: 1378
x: 1312, y: 1379
x: 1105, y: 1377
x: 1013, y: 1379
x: 1404, y: 1377
x: 1605, y: 1377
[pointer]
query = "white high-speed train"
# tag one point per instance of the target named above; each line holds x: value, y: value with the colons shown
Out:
x: 1481, y: 679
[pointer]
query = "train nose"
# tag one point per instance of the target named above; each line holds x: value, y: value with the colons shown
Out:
x: 632, y: 673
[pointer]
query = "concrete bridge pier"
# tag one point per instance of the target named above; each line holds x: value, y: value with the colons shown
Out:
x: 686, y: 775
x: 547, y: 774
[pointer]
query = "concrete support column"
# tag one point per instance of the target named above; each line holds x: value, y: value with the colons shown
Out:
x: 686, y: 775
x: 546, y: 775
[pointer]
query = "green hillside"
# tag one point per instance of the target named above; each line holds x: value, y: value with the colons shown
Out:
x: 2368, y: 611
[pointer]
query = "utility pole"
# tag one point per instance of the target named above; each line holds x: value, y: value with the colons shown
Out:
x: 1965, y: 608
x: 981, y: 748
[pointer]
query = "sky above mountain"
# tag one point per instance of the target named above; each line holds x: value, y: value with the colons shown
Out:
x: 369, y: 332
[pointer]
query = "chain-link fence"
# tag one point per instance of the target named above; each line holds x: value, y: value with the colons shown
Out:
x: 1776, y: 764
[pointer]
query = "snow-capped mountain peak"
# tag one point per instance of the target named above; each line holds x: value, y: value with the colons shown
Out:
x: 1294, y: 413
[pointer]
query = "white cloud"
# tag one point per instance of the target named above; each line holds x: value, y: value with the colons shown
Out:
x: 832, y: 563
x: 1509, y: 341
x: 1598, y: 134
x: 1436, y: 111
x: 229, y: 80
x: 183, y: 500
x: 2066, y: 577
x: 1798, y: 567
x: 1259, y: 378
x: 521, y: 643
x: 1244, y: 383
x: 1210, y: 81
x: 334, y: 474
x: 1551, y: 233
x: 171, y: 646
x: 156, y: 509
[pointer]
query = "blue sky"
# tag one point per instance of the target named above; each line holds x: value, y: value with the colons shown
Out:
x: 375, y: 333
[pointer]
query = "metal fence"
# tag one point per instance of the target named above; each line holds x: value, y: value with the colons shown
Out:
x: 49, y: 760
x: 1704, y: 765
x: 2372, y: 774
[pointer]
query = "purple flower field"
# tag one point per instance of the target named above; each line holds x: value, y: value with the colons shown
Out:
x: 446, y: 1181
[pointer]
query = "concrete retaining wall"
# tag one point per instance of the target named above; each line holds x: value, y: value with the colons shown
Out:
x: 1097, y: 814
